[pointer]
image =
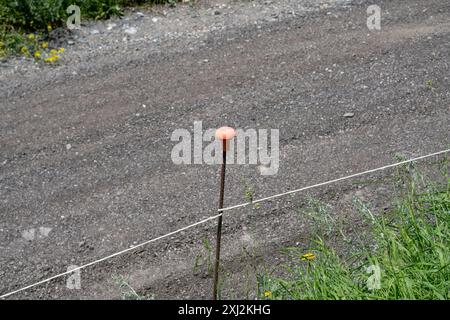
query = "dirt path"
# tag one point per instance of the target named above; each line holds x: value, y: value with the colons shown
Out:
x: 88, y: 168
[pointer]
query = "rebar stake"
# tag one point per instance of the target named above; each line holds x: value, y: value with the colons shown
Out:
x: 223, y: 134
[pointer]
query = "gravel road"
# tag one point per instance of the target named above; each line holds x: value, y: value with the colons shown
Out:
x: 85, y: 161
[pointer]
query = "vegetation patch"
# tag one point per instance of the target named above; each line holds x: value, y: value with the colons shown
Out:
x: 26, y: 24
x: 406, y: 255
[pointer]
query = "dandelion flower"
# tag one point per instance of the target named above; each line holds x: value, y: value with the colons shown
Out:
x: 44, y: 45
x: 61, y: 50
x: 37, y: 54
x: 53, y: 52
x: 267, y: 294
x: 24, y: 50
x: 31, y: 36
x: 308, y: 257
x: 49, y: 27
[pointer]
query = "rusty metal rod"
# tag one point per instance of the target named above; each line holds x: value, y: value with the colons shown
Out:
x: 219, y: 219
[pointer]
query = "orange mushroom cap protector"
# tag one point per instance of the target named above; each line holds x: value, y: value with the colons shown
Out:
x: 225, y: 134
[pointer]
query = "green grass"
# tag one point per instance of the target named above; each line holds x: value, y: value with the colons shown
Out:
x: 409, y: 246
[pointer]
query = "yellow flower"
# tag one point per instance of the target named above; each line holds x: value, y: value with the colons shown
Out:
x: 51, y: 59
x: 31, y: 36
x: 37, y: 54
x: 308, y: 257
x: 49, y: 27
x: 24, y: 50
x: 61, y: 50
x: 267, y: 294
x: 44, y: 45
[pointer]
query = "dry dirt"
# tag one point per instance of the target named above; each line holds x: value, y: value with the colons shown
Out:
x: 296, y: 66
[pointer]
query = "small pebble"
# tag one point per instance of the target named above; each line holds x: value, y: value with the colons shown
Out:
x: 349, y: 115
x: 131, y: 30
x: 111, y: 26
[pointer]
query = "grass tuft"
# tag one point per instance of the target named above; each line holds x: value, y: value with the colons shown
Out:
x: 409, y: 258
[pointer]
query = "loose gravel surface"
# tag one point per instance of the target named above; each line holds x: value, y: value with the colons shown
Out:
x: 85, y: 161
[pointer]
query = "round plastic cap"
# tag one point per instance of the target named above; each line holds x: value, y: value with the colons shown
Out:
x: 225, y: 133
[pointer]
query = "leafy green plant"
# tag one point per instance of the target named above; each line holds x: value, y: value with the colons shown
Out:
x: 323, y: 223
x: 128, y: 292
x: 250, y: 195
x: 204, y: 258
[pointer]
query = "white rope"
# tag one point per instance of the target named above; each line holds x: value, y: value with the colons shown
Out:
x: 333, y: 181
x: 215, y: 217
x: 111, y: 256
